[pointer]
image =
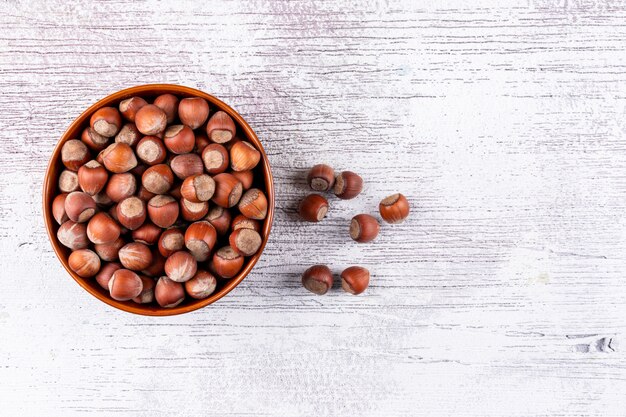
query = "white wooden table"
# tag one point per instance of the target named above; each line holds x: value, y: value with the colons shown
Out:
x: 504, y: 122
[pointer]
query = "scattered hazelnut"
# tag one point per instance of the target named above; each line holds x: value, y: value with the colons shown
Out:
x: 68, y: 181
x: 246, y: 178
x: 348, y: 185
x: 135, y: 256
x: 131, y: 212
x: 106, y: 121
x: 74, y: 154
x: 221, y: 127
x: 147, y: 291
x: 253, y: 204
x: 58, y: 208
x: 121, y: 186
x: 193, y: 111
x: 128, y: 134
x: 171, y: 240
x: 163, y: 210
x: 355, y: 279
x: 102, y: 229
x: 151, y: 150
x: 243, y: 222
x: 186, y: 165
x: 147, y: 233
x: 169, y: 293
x: 245, y: 241
x: 179, y: 139
x: 118, y: 157
x: 94, y: 140
x: 191, y: 211
x: 321, y: 177
x: 106, y: 272
x: 201, y: 142
x: 157, y: 267
x: 84, y: 262
x: 215, y: 158
x: 198, y: 188
x: 394, y: 209
x: 150, y: 120
x: 201, y: 285
x: 144, y: 195
x: 219, y: 218
x: 73, y: 235
x: 313, y: 208
x: 131, y: 106
x: 109, y: 251
x: 180, y: 266
x: 158, y: 179
x: 228, y: 190
x: 125, y: 285
x: 169, y: 104
x: 200, y: 239
x: 364, y: 228
x: 318, y: 279
x: 92, y: 177
x: 102, y: 199
x: 175, y: 191
x: 79, y: 206
x: 226, y: 262
x: 244, y: 156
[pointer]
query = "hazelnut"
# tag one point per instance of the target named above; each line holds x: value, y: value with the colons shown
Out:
x: 163, y: 210
x: 220, y: 127
x: 215, y: 158
x: 201, y: 142
x: 92, y: 177
x: 106, y: 272
x: 226, y: 262
x: 348, y: 185
x: 246, y: 178
x: 243, y: 222
x: 313, y: 208
x: 135, y: 256
x: 157, y: 267
x: 139, y: 170
x: 94, y: 140
x: 73, y: 235
x: 318, y: 279
x: 147, y: 291
x: 228, y: 190
x: 180, y: 266
x: 79, y: 206
x: 364, y: 228
x: 150, y: 120
x: 110, y: 251
x: 355, y: 279
x: 170, y: 241
x: 394, y: 209
x: 131, y: 106
x: 144, y: 195
x: 74, y: 154
x: 102, y: 199
x: 151, y: 150
x: 158, y: 179
x: 201, y: 285
x: 179, y: 139
x: 118, y: 158
x: 244, y: 156
x: 68, y: 181
x: 131, y: 212
x: 200, y: 239
x: 147, y: 233
x: 193, y: 111
x: 84, y: 262
x: 219, y: 218
x: 191, y: 211
x: 106, y: 121
x: 169, y: 104
x: 186, y: 165
x: 113, y: 213
x: 125, y: 285
x: 245, y: 241
x: 169, y: 293
x: 198, y: 188
x: 321, y: 177
x: 102, y: 229
x: 128, y: 134
x: 58, y: 208
x: 175, y: 191
x: 253, y: 204
x: 121, y: 186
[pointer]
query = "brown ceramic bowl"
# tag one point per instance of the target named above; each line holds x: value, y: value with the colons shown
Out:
x: 263, y: 180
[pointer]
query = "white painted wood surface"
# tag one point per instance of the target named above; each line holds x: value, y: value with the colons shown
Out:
x: 504, y: 122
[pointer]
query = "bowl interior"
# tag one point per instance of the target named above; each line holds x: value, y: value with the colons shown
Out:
x: 262, y: 179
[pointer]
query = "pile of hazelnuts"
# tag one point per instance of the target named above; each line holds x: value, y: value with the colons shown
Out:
x: 157, y: 201
x: 363, y: 228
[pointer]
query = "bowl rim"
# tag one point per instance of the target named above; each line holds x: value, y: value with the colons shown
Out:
x: 49, y: 192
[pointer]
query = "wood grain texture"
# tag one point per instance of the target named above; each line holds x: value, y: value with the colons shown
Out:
x: 503, y: 122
